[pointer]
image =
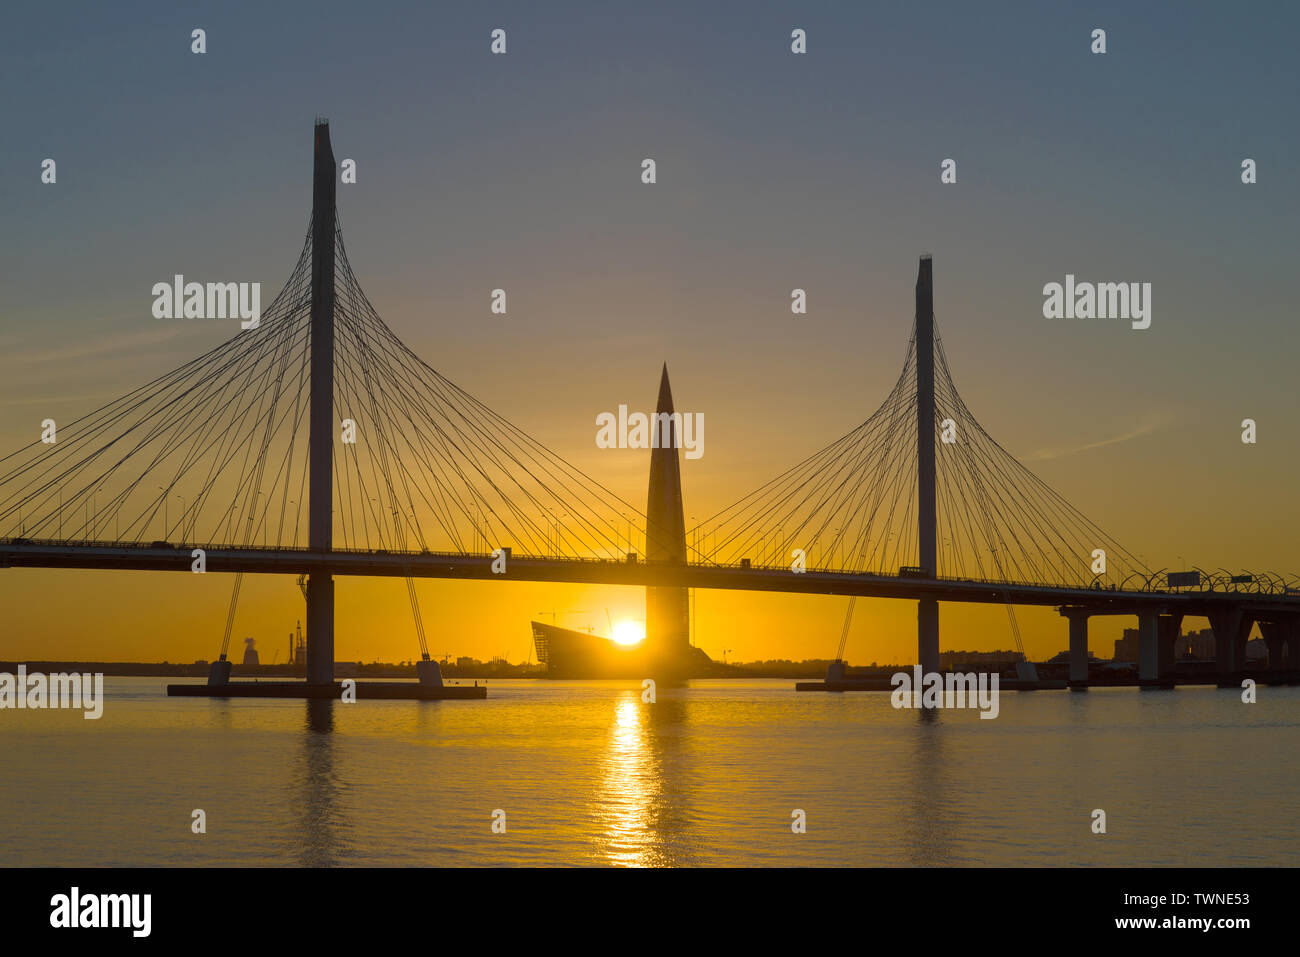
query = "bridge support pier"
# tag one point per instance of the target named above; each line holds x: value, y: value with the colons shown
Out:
x: 219, y: 672
x: 429, y: 673
x: 1274, y: 634
x: 1231, y: 628
x: 1078, y: 619
x: 1149, y: 648
x: 927, y: 631
x: 320, y: 629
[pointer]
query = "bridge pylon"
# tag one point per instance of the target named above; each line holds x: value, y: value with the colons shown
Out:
x: 927, y: 612
x: 320, y: 586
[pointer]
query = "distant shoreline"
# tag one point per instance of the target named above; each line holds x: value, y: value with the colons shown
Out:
x: 1102, y: 674
x: 815, y: 668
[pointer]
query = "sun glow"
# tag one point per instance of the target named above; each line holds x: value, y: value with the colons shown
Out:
x: 628, y: 632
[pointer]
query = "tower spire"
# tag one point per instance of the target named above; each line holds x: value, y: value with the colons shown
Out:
x: 667, y: 623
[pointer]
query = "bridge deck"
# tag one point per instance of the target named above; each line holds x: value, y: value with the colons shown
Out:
x: 272, y: 561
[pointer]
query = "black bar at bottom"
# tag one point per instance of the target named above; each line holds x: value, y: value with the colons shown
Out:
x: 223, y: 906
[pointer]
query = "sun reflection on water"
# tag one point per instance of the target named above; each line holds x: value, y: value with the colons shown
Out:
x: 631, y: 788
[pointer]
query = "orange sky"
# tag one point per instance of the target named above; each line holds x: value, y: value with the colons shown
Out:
x: 774, y: 172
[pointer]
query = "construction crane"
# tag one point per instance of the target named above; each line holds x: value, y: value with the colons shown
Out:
x: 579, y: 611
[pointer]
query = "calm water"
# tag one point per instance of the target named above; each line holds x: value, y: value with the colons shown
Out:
x: 709, y: 775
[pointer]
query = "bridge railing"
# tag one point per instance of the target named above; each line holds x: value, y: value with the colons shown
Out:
x: 1261, y: 583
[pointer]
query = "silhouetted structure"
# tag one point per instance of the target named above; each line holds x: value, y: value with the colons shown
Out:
x: 320, y: 584
x: 436, y: 470
x: 927, y: 610
x: 667, y: 609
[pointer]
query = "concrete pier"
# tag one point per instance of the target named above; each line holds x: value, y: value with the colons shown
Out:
x: 1149, y: 658
x: 429, y: 672
x: 371, y: 690
x: 1231, y: 626
x: 1078, y: 619
x: 320, y: 628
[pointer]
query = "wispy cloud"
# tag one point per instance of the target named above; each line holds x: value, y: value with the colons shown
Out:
x: 1153, y: 423
x: 118, y: 344
x: 90, y: 397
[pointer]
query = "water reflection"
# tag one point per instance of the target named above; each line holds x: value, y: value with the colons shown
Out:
x: 643, y: 798
x: 220, y: 714
x: 320, y: 715
x: 317, y: 801
x: 928, y: 827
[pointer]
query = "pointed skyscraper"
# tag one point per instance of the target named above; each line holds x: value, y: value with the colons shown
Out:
x: 667, y: 609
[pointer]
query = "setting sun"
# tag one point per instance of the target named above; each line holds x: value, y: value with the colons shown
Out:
x: 628, y: 632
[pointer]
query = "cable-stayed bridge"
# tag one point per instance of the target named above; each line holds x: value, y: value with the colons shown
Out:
x: 317, y: 444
